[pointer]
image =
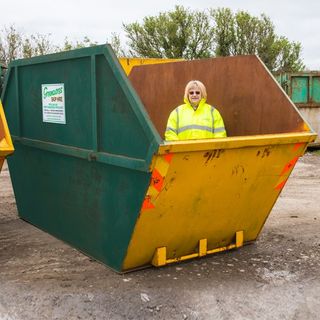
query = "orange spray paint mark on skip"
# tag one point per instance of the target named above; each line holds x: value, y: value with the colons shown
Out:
x: 297, y: 146
x: 157, y: 180
x: 281, y: 185
x: 289, y: 165
x: 168, y: 157
x: 147, y: 204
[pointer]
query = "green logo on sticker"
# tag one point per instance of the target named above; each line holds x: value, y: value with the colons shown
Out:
x: 51, y: 93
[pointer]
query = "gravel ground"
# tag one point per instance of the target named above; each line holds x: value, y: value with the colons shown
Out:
x: 277, y: 277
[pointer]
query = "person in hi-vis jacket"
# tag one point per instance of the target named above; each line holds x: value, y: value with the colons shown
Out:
x: 195, y: 119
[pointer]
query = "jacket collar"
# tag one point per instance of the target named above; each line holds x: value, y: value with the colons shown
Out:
x: 201, y: 103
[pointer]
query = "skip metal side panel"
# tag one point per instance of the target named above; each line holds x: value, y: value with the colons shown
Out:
x: 211, y: 193
x: 6, y: 146
x: 89, y: 204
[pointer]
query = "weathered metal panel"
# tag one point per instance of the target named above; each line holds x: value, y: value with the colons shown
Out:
x: 316, y: 89
x: 88, y: 204
x: 300, y: 89
x: 304, y: 90
x: 241, y: 88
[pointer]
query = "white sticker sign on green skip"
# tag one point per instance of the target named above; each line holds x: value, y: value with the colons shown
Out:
x: 53, y: 103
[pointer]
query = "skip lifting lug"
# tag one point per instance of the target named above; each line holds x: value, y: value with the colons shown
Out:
x: 160, y: 256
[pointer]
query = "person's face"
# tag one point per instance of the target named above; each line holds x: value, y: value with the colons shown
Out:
x: 194, y: 95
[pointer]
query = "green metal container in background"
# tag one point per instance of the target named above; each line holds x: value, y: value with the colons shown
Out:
x: 304, y: 90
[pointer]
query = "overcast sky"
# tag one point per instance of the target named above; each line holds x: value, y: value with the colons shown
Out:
x: 297, y: 20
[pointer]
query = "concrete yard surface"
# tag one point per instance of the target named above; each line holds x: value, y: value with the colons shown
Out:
x: 277, y: 277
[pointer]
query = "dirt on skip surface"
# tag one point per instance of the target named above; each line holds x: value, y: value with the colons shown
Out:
x: 277, y: 277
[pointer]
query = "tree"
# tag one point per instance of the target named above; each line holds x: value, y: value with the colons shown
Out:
x: 10, y: 44
x: 241, y: 33
x: 187, y: 34
x: 37, y: 45
x: 70, y: 45
x: 288, y: 57
x: 116, y: 45
x: 176, y: 34
x: 15, y: 45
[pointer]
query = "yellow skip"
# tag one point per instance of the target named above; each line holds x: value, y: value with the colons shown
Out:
x: 6, y: 146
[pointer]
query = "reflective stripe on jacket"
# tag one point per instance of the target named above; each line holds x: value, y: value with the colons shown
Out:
x: 185, y: 123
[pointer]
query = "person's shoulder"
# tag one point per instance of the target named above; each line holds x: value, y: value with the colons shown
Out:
x: 178, y: 108
x: 174, y: 112
x: 212, y: 107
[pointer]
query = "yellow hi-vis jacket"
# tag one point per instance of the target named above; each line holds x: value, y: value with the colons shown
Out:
x: 185, y: 123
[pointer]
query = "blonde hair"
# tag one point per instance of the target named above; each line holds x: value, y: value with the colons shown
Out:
x: 195, y: 83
